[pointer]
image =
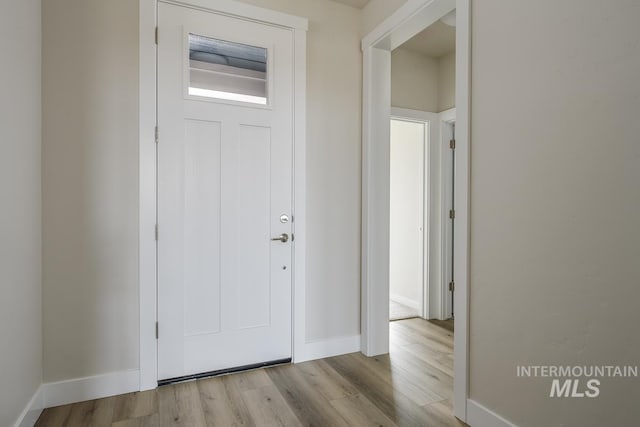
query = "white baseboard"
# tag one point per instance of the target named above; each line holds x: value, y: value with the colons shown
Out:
x: 479, y: 416
x: 405, y: 301
x: 329, y: 348
x: 89, y: 388
x: 32, y: 411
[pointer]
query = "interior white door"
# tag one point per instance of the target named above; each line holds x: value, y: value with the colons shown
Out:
x: 225, y: 99
x: 406, y: 238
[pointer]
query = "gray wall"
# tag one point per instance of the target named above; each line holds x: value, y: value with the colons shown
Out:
x: 414, y: 81
x: 20, y: 211
x: 447, y: 81
x: 421, y: 82
x: 555, y: 205
x: 90, y: 187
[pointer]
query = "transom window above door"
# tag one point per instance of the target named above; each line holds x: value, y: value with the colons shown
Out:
x: 226, y: 70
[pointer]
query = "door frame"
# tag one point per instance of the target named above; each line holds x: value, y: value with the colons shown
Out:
x: 147, y: 220
x: 446, y: 118
x: 431, y: 119
x: 410, y: 19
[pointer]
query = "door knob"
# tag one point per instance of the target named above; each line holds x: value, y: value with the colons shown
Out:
x: 284, y: 238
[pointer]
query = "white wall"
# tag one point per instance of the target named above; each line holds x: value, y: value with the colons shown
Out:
x: 414, y: 81
x: 90, y: 187
x: 334, y: 88
x: 20, y: 212
x: 406, y: 215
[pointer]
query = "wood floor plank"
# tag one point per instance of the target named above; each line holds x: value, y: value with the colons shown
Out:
x: 395, y: 405
x: 92, y: 413
x: 359, y: 411
x: 437, y: 359
x: 446, y: 324
x: 251, y: 379
x: 179, y: 405
x: 430, y: 377
x: 268, y: 408
x: 310, y: 406
x: 399, y: 340
x: 325, y: 380
x: 441, y: 414
x: 222, y: 402
x: 146, y: 421
x: 80, y: 413
x: 435, y: 340
x: 431, y: 332
x: 54, y: 417
x: 135, y: 405
x: 400, y: 379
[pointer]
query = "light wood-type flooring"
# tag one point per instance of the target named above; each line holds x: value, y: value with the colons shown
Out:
x: 411, y: 386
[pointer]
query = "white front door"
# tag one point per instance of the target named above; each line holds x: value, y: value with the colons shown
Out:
x: 225, y: 99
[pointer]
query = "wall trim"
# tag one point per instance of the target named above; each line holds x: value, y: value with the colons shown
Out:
x: 147, y: 196
x: 89, y: 388
x: 444, y: 134
x: 479, y: 416
x: 243, y: 10
x: 329, y: 348
x: 30, y: 414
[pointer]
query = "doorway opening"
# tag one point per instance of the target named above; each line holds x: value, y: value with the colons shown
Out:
x: 392, y: 92
x: 408, y: 180
x: 421, y: 206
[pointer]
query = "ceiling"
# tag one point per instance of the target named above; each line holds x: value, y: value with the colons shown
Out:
x: 354, y: 3
x: 436, y: 40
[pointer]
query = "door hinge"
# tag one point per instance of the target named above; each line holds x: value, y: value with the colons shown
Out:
x: 156, y: 35
x: 452, y: 214
x: 157, y: 331
x: 452, y: 286
x: 156, y: 232
x: 452, y: 144
x: 157, y: 135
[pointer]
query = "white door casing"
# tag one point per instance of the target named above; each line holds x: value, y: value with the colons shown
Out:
x: 224, y: 180
x: 447, y: 203
x: 408, y: 20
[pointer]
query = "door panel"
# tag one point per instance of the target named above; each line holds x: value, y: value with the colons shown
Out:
x: 201, y: 226
x: 224, y: 179
x: 253, y: 238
